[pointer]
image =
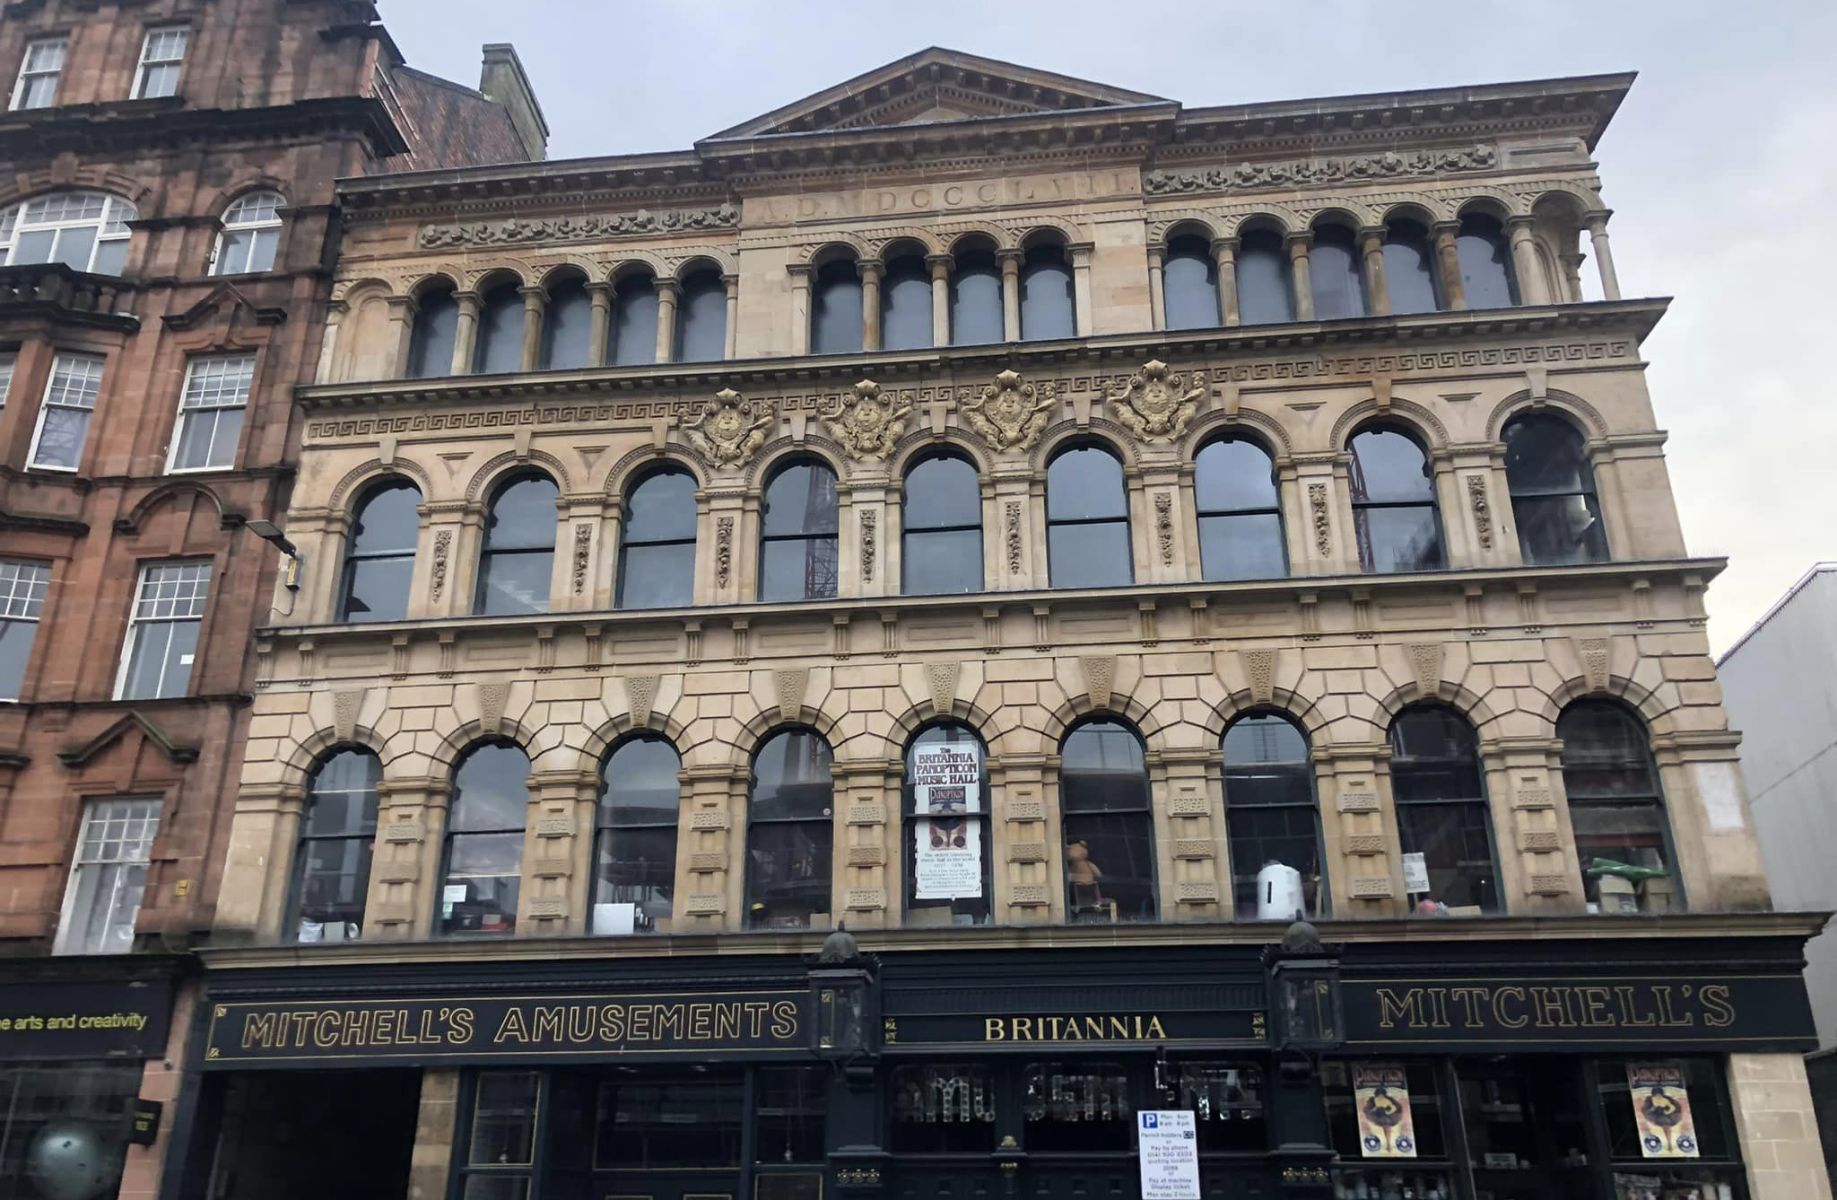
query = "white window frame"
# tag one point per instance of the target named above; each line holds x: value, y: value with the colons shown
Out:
x: 133, y: 822
x: 9, y: 361
x: 155, y: 38
x: 204, y: 394
x: 27, y: 72
x: 155, y: 604
x: 111, y: 224
x: 23, y: 584
x: 57, y: 396
x: 234, y: 220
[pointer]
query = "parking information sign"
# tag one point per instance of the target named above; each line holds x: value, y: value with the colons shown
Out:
x: 1168, y: 1145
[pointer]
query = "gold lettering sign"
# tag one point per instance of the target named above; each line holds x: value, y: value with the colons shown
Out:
x: 1555, y: 1006
x: 1069, y: 1027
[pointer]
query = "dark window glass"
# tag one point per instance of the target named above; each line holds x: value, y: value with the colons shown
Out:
x: 788, y: 1108
x: 1393, y: 504
x: 430, y: 345
x: 835, y: 308
x: 1442, y: 812
x: 797, y: 538
x: 337, y: 832
x: 905, y: 304
x: 1333, y: 271
x: 701, y: 319
x: 946, y: 797
x: 1240, y: 513
x: 657, y: 545
x: 519, y: 549
x: 1617, y: 810
x: 790, y: 829
x: 1077, y: 1107
x: 484, y: 842
x: 1710, y: 1112
x: 669, y: 1125
x: 1553, y: 492
x: 1047, y: 310
x: 1263, y: 293
x: 1109, y: 830
x: 1525, y: 1124
x: 1426, y: 1109
x: 975, y: 299
x: 1190, y: 284
x: 567, y: 326
x: 500, y: 331
x: 1226, y: 1099
x: 1087, y: 520
x: 634, y: 853
x: 943, y: 1108
x: 380, y: 559
x: 634, y: 321
x: 1272, y: 820
x: 1409, y: 268
x: 941, y: 549
x: 1486, y: 263
x: 70, y: 1114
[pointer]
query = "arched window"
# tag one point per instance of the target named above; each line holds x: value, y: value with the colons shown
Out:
x: 519, y: 549
x: 941, y: 517
x: 430, y: 345
x: 1087, y: 520
x: 797, y: 533
x: 86, y: 231
x: 1189, y: 283
x: 905, y: 304
x: 790, y: 832
x: 1486, y: 263
x: 1442, y: 812
x: 567, y: 325
x: 1047, y: 308
x: 1617, y: 810
x: 657, y: 544
x: 947, y: 807
x: 1393, y: 503
x: 634, y: 841
x: 1553, y: 492
x: 1107, y: 823
x: 379, y: 557
x: 634, y: 321
x: 251, y: 234
x: 1409, y: 268
x: 835, y: 308
x: 1240, y: 511
x: 500, y: 331
x: 1272, y: 820
x: 331, y: 865
x: 975, y: 297
x: 482, y: 868
x: 1263, y: 293
x: 1333, y: 271
x: 701, y: 318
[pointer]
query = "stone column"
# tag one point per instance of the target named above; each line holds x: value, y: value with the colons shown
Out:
x: 1010, y: 294
x: 1157, y: 289
x: 1300, y: 278
x: 264, y: 835
x: 1596, y: 224
x: 402, y: 333
x: 732, y: 284
x: 1224, y: 253
x: 1572, y: 278
x: 1778, y: 1127
x: 1081, y: 288
x: 436, y: 1130
x: 557, y: 850
x: 1448, y: 265
x: 800, y: 308
x: 405, y: 872
x: 668, y: 292
x: 328, y: 346
x: 1532, y: 287
x: 871, y: 270
x: 941, y: 265
x: 599, y: 295
x: 1377, y: 291
x: 1362, y: 855
x: 535, y: 303
x: 465, y: 336
x: 1460, y: 544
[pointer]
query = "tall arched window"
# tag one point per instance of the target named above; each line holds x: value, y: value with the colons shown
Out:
x: 634, y: 321
x: 905, y: 304
x: 482, y: 868
x: 975, y: 296
x: 1240, y: 511
x: 657, y: 544
x: 1108, y: 824
x: 790, y: 833
x: 1486, y: 262
x: 1087, y: 520
x: 1442, y: 812
x: 797, y: 533
x: 86, y: 231
x: 1272, y: 820
x: 1553, y: 492
x: 500, y: 330
x: 436, y: 328
x: 1394, y: 510
x: 1617, y: 810
x: 1047, y: 307
x: 250, y: 236
x: 701, y: 318
x: 331, y: 864
x: 1189, y: 283
x: 519, y: 548
x: 835, y: 308
x: 634, y: 840
x: 947, y: 809
x: 1333, y: 271
x: 1409, y: 268
x: 941, y: 519
x: 1263, y: 293
x: 379, y: 557
x: 567, y: 325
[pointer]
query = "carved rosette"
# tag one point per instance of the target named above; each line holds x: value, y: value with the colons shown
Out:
x: 1157, y: 403
x: 729, y: 429
x: 866, y: 423
x: 1010, y: 414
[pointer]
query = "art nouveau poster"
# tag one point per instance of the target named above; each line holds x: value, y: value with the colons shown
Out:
x: 1381, y: 1094
x: 1661, y: 1110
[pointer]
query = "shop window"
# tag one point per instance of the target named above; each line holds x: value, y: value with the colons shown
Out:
x: 1263, y: 293
x: 701, y: 318
x: 1394, y: 513
x: 1486, y: 263
x: 1553, y: 492
x: 86, y: 231
x: 1409, y: 268
x: 1087, y: 520
x: 1047, y: 308
x: 1617, y: 810
x: 211, y: 408
x: 1240, y: 511
x: 379, y: 559
x: 483, y: 868
x: 501, y: 1141
x: 669, y: 1124
x: 634, y: 321
x: 518, y: 555
x: 1189, y: 284
x: 788, y: 1108
x: 163, y: 627
x: 63, y: 417
x: 657, y: 543
x: 435, y: 332
x: 251, y: 235
x: 1670, y: 1129
x: 1108, y: 826
x: 332, y: 861
x: 1442, y: 812
x: 39, y: 72
x: 22, y: 602
x: 64, y: 1128
x: 108, y: 878
x: 1372, y: 1109
x: 790, y: 829
x: 567, y: 326
x: 499, y: 347
x: 1272, y: 820
x: 634, y: 848
x: 905, y: 304
x: 162, y: 57
x: 941, y: 526
x: 947, y: 805
x: 1526, y: 1125
x: 943, y: 1108
x: 1226, y: 1100
x: 1077, y: 1107
x: 797, y: 533
x: 975, y: 298
x: 1333, y: 272
x: 835, y: 308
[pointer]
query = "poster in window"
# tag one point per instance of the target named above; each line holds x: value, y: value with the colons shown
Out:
x: 946, y: 779
x: 1661, y: 1110
x: 1381, y: 1094
x: 947, y: 864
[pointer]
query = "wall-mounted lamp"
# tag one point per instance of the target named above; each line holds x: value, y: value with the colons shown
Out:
x: 271, y: 533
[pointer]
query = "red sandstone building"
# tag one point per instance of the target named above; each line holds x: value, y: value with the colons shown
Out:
x: 167, y: 221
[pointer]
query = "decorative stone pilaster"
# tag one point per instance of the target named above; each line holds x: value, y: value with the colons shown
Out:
x: 1321, y: 517
x: 1190, y: 835
x: 1017, y: 560
x: 335, y: 312
x: 1706, y: 803
x: 1531, y: 830
x: 264, y: 835
x: 1362, y: 856
x: 557, y: 853
x: 1028, y: 876
x: 867, y: 841
x: 1082, y: 310
x: 402, y: 334
x: 405, y: 869
x: 710, y: 848
x: 449, y: 543
x: 800, y: 307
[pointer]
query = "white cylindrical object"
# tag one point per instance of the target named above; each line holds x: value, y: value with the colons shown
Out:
x: 1279, y: 893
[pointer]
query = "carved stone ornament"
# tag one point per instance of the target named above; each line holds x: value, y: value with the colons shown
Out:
x: 867, y: 423
x: 1482, y: 510
x: 1388, y: 165
x: 1323, y: 528
x: 583, y: 549
x: 443, y: 545
x: 723, y: 550
x: 1156, y: 403
x: 572, y: 229
x: 1010, y: 414
x: 1164, y: 526
x: 1013, y: 536
x: 729, y: 429
x: 869, y: 519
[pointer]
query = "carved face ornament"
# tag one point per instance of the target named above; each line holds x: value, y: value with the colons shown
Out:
x: 728, y: 429
x: 1155, y: 404
x: 1010, y: 413
x: 868, y: 423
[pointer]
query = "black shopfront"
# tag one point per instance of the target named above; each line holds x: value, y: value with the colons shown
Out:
x: 1512, y: 1070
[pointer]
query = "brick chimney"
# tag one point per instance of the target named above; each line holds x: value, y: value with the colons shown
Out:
x: 503, y: 80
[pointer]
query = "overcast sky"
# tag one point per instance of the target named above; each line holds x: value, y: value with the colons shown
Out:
x: 1721, y: 167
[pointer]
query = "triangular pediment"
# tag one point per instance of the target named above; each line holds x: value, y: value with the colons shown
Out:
x: 227, y: 305
x: 933, y: 86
